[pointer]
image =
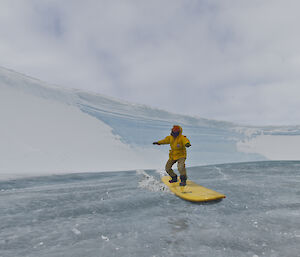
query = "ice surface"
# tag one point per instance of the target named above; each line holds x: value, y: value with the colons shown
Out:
x: 111, y: 214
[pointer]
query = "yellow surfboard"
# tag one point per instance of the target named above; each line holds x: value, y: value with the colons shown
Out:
x: 192, y: 191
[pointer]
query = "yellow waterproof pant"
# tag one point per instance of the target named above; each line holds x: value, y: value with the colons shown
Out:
x: 180, y: 165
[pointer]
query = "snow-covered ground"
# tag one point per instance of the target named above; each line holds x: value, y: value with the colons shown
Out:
x: 128, y: 214
x: 50, y: 130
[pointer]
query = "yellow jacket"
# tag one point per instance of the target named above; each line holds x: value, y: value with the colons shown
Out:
x: 178, y: 149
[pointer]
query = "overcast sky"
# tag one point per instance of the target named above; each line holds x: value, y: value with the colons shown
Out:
x: 233, y: 60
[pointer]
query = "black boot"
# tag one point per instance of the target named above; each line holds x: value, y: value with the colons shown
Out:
x: 173, y: 180
x: 183, y: 180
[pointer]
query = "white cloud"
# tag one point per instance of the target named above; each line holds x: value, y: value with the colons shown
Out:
x: 230, y: 60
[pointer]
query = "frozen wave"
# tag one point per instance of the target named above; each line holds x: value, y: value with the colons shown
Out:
x: 52, y: 130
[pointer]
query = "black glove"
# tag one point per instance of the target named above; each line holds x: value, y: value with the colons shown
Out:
x: 187, y: 145
x: 156, y: 143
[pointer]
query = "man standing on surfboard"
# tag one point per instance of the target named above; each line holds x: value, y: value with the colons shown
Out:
x: 178, y: 143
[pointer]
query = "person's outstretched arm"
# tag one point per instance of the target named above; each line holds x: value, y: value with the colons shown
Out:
x: 164, y: 141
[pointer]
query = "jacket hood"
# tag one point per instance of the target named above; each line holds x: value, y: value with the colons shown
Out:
x: 177, y: 126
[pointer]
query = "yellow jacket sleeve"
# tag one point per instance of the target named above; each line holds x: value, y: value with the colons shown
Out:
x: 185, y: 140
x: 164, y: 141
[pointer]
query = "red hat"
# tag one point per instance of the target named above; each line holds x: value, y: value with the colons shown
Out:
x: 176, y: 128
